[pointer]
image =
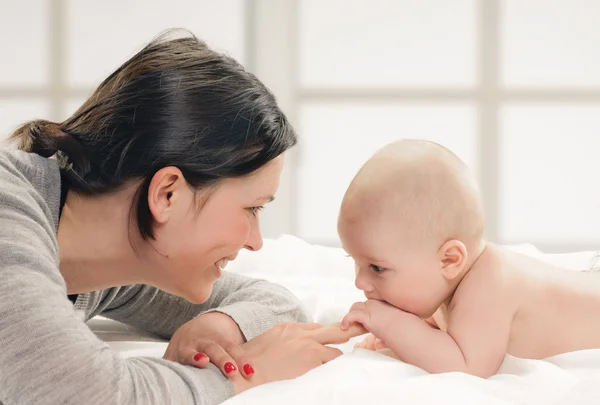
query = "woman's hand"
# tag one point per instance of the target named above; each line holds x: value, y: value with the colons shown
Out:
x: 371, y: 342
x: 289, y: 350
x: 211, y: 338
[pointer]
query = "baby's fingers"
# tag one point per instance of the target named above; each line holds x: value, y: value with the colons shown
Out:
x: 355, y: 316
x: 380, y: 344
x: 368, y: 343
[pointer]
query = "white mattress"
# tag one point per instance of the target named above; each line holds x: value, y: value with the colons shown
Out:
x: 323, y: 279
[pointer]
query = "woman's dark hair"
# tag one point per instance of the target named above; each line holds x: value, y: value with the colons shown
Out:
x: 175, y: 103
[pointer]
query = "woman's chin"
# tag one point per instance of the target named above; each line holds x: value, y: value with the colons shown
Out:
x: 198, y: 297
x: 198, y: 291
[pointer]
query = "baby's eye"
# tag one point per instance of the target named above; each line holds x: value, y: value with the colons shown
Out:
x: 375, y: 268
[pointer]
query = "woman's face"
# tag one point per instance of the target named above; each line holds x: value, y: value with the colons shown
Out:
x: 197, y: 233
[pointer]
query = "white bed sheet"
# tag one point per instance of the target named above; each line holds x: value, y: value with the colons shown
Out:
x: 322, y: 278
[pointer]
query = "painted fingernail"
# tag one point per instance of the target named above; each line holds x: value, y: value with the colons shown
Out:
x: 199, y: 356
x: 229, y: 367
x: 248, y: 369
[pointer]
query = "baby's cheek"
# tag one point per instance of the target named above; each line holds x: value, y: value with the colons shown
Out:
x: 393, y: 292
x: 406, y: 300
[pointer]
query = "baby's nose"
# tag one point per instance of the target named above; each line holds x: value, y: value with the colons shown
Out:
x: 362, y: 283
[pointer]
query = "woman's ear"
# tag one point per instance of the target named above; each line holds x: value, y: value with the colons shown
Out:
x: 163, y: 192
x: 452, y: 258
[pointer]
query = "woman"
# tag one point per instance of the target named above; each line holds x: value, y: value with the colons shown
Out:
x: 130, y: 209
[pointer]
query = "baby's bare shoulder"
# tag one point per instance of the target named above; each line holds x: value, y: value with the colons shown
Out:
x: 493, y: 281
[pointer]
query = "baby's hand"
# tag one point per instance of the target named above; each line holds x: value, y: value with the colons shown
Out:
x: 371, y: 342
x: 374, y: 315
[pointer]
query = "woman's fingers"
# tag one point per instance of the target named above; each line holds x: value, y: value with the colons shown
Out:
x: 329, y: 353
x: 239, y: 357
x: 199, y: 359
x: 229, y: 357
x: 219, y: 357
x: 309, y: 326
x: 333, y: 334
x: 189, y: 356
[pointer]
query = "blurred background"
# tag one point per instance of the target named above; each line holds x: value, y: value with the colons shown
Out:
x: 511, y: 86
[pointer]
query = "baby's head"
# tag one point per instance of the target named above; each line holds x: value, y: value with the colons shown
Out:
x: 412, y: 219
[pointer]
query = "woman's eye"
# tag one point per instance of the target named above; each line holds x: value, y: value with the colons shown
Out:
x: 375, y: 268
x: 255, y: 210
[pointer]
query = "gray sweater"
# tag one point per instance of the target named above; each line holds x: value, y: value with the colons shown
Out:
x: 47, y: 353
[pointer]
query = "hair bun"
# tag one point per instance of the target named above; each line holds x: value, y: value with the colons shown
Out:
x: 46, y: 138
x: 43, y: 137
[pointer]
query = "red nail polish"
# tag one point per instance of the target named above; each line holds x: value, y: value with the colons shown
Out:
x: 248, y: 369
x: 199, y: 356
x: 229, y: 367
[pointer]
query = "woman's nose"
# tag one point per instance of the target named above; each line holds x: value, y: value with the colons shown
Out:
x: 255, y: 240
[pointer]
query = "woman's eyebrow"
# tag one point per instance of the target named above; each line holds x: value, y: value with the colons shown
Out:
x: 268, y: 198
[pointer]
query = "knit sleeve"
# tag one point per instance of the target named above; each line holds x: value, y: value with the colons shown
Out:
x: 48, y: 355
x: 255, y: 305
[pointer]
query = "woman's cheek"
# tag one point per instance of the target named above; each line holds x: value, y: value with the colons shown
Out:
x: 244, y: 227
x: 233, y: 231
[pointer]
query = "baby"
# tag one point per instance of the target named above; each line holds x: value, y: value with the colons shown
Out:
x: 440, y: 297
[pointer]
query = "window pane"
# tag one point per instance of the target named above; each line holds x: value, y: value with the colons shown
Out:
x: 549, y: 174
x: 16, y: 112
x: 105, y: 33
x: 336, y: 140
x: 551, y: 42
x: 383, y: 43
x: 72, y: 104
x: 24, y: 29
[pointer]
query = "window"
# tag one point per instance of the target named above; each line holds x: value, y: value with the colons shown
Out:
x: 512, y: 86
x: 68, y: 47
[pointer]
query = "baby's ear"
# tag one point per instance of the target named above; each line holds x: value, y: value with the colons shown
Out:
x: 452, y: 258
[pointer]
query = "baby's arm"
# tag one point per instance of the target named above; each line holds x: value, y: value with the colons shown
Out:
x: 480, y: 323
x: 475, y: 343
